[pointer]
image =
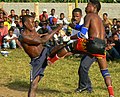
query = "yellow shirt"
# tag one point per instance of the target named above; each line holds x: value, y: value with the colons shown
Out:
x: 7, y: 24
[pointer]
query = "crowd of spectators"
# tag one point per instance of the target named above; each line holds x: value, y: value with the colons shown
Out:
x: 11, y: 26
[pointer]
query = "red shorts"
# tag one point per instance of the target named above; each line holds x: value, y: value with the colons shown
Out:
x: 83, y: 47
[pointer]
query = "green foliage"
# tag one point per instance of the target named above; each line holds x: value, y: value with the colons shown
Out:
x: 60, y: 79
x: 118, y: 1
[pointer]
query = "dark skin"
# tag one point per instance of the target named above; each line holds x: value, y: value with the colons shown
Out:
x: 76, y: 17
x: 93, y: 22
x: 32, y: 43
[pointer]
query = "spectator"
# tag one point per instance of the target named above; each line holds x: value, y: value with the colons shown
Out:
x: 12, y: 15
x: 3, y: 31
x: 108, y: 31
x: 45, y: 28
x: 37, y: 27
x: 10, y: 40
x: 116, y: 40
x: 27, y: 12
x: 114, y: 23
x: 33, y: 15
x: 1, y: 14
x: 118, y: 23
x: 106, y: 21
x: 44, y: 14
x: 6, y: 22
x: 23, y: 12
x: 53, y: 14
x: 63, y: 21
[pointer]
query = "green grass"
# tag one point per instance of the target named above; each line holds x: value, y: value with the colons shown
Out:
x: 60, y: 79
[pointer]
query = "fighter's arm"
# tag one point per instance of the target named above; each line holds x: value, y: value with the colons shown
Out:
x: 36, y: 39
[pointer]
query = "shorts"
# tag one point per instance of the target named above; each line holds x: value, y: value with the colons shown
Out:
x: 38, y: 65
x: 94, y: 46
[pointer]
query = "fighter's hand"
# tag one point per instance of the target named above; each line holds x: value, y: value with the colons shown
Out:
x: 66, y: 38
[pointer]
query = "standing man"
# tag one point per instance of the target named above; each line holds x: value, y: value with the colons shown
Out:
x: 95, y: 44
x: 84, y: 83
x: 33, y: 45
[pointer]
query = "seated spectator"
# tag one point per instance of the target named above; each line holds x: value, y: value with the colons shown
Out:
x: 108, y: 31
x: 58, y: 38
x: 116, y: 40
x: 33, y: 14
x: 118, y: 23
x: 114, y: 23
x: 3, y: 31
x: 63, y: 21
x: 16, y: 31
x: 112, y: 53
x: 118, y: 31
x: 11, y: 40
x: 42, y: 21
x: 45, y: 28
x: 19, y: 24
x: 37, y: 27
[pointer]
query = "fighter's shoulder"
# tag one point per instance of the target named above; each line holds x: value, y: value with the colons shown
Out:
x: 90, y: 15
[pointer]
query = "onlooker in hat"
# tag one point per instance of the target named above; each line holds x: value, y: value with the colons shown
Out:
x: 44, y: 14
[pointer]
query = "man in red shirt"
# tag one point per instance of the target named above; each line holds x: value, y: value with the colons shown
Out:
x: 3, y: 31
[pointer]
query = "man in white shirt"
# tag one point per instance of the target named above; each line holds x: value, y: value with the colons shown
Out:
x: 10, y: 40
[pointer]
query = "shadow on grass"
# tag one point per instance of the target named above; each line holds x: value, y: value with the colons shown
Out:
x: 24, y: 86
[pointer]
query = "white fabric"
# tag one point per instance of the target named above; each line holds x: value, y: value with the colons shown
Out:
x: 8, y: 37
x: 37, y: 28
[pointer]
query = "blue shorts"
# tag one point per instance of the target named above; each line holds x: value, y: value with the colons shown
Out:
x: 39, y: 64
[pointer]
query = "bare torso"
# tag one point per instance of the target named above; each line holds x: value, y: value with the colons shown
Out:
x: 95, y: 26
x: 33, y: 50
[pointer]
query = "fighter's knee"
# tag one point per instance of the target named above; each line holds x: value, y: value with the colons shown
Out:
x: 105, y: 73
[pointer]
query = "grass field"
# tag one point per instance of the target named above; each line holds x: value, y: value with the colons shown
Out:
x: 60, y: 79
